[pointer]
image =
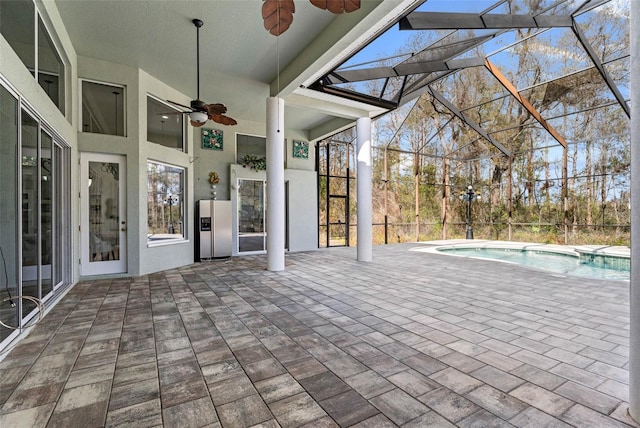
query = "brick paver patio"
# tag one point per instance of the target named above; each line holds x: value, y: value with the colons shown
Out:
x: 411, y: 339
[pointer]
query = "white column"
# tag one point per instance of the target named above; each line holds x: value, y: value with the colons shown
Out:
x: 363, y: 178
x: 634, y: 345
x: 275, y: 184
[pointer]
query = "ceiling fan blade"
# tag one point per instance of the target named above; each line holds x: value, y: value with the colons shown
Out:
x: 222, y: 119
x: 196, y: 124
x: 277, y: 15
x: 337, y: 6
x: 180, y: 105
x: 216, y: 108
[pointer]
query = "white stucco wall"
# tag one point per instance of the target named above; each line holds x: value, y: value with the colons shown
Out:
x: 303, y: 209
x: 109, y: 73
x: 156, y: 258
x: 197, y: 162
x: 142, y: 258
x: 303, y: 205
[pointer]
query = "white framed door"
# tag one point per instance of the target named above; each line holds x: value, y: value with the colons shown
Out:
x: 103, y: 226
x: 251, y: 214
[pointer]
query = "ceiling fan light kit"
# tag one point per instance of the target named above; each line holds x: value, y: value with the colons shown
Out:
x: 198, y: 116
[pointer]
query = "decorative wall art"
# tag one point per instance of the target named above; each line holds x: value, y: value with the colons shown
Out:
x: 212, y: 139
x: 300, y: 149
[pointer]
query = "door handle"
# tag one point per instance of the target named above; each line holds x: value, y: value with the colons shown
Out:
x: 124, y: 229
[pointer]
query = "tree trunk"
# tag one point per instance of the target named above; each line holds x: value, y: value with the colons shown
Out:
x: 603, y: 189
x: 565, y: 193
x: 510, y: 195
x: 589, y: 175
x: 496, y: 180
x: 416, y: 161
x: 531, y: 186
x: 445, y: 196
x: 572, y: 189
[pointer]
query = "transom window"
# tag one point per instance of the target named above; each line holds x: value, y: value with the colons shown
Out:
x: 165, y: 124
x: 103, y: 108
x: 17, y: 18
x: 251, y: 150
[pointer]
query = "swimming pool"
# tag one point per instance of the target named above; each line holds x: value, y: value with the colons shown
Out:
x: 576, y: 263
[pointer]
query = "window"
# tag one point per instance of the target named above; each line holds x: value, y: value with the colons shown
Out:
x: 165, y: 124
x: 253, y: 147
x: 252, y: 151
x: 103, y: 108
x: 17, y: 27
x: 165, y: 203
x: 50, y: 67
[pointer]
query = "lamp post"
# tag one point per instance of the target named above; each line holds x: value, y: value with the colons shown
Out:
x: 469, y: 196
x: 171, y: 199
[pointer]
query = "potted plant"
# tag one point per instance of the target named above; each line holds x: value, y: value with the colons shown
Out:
x: 258, y: 163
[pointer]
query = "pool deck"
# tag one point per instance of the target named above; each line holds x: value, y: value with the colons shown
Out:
x: 411, y: 339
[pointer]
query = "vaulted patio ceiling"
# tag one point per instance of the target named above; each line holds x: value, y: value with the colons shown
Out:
x: 241, y: 63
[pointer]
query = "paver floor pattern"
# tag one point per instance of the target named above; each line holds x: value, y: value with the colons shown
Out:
x: 410, y: 339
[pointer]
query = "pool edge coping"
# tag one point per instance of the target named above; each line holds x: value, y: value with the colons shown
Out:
x: 574, y: 250
x: 578, y: 251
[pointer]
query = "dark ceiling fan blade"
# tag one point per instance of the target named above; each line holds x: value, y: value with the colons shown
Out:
x: 216, y: 108
x: 222, y: 119
x: 277, y: 15
x: 337, y: 6
x: 196, y: 124
x: 181, y: 105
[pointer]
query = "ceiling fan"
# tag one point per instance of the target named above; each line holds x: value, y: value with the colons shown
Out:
x: 198, y: 110
x: 278, y: 14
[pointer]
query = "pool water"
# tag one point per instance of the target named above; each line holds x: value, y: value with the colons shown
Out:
x: 555, y: 262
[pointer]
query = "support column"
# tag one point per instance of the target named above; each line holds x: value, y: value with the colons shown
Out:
x: 634, y: 300
x: 364, y: 204
x: 275, y: 184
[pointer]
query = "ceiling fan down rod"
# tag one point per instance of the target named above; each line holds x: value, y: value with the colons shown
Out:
x: 198, y: 23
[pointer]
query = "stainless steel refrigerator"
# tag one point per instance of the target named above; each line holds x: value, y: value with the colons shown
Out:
x: 213, y: 238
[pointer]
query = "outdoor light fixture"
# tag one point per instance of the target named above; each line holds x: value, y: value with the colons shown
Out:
x: 469, y: 196
x: 171, y: 201
x: 198, y: 116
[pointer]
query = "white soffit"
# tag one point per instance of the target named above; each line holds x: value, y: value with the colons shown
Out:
x: 331, y: 104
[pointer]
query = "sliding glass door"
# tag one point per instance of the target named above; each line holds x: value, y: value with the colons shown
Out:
x: 34, y: 225
x: 30, y: 172
x: 42, y: 211
x: 9, y: 229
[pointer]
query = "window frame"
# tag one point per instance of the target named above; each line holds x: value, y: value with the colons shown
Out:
x: 183, y: 214
x: 122, y: 115
x: 58, y: 53
x: 183, y: 127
